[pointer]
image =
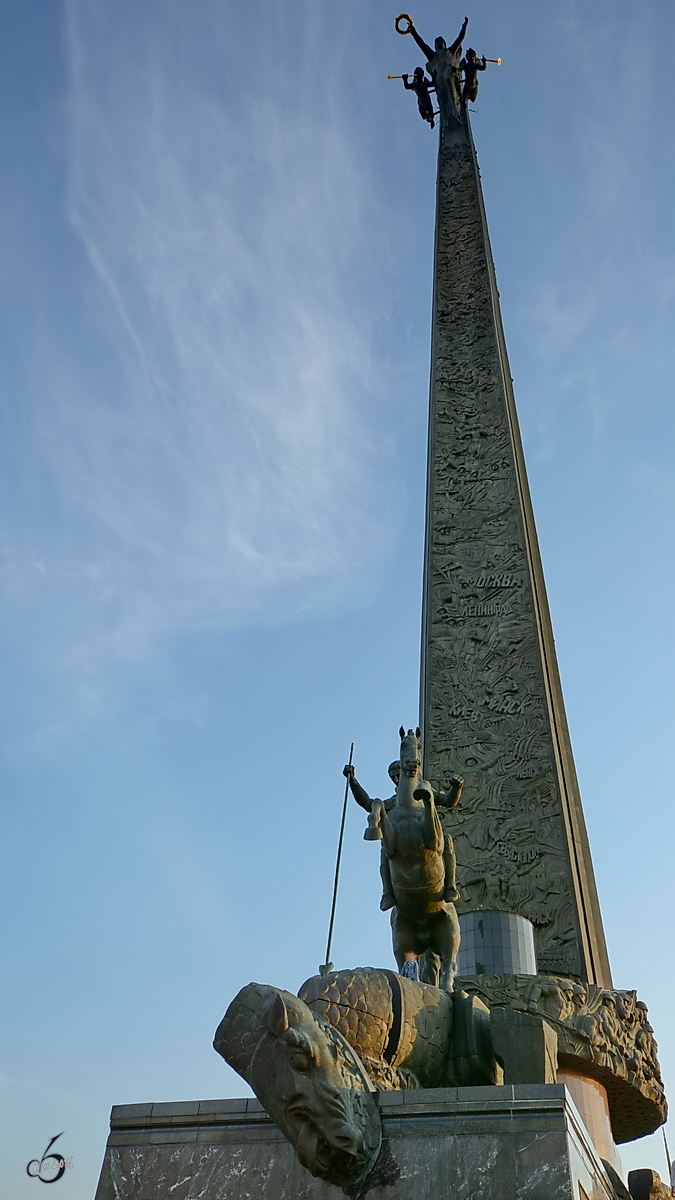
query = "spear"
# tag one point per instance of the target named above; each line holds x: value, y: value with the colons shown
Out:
x: 671, y: 1172
x: 327, y: 967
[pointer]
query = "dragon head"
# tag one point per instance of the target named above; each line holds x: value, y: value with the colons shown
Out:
x: 308, y: 1078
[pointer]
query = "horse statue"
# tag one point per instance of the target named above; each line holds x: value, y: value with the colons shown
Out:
x: 421, y: 863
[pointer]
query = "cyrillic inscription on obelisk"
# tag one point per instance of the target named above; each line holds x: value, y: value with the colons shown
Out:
x: 492, y: 706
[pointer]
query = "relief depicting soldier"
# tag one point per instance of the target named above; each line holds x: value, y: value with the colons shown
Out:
x: 447, y: 799
x: 421, y: 87
x: 554, y: 998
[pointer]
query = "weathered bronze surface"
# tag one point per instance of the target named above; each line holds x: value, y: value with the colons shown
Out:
x: 310, y: 1081
x: 647, y: 1185
x: 443, y: 64
x: 421, y: 869
x: 449, y: 798
x: 315, y: 1060
x: 407, y: 1034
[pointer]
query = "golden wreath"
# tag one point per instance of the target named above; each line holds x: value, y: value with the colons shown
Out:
x: 404, y: 17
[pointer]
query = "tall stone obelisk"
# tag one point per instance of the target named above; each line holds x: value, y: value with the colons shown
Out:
x: 491, y: 702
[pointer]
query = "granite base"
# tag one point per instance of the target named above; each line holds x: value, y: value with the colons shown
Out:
x: 517, y: 1142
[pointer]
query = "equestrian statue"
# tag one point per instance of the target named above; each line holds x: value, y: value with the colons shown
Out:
x: 418, y: 868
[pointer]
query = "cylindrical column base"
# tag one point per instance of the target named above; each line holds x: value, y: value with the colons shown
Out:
x: 496, y: 943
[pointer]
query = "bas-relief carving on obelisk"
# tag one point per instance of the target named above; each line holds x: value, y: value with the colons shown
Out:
x: 491, y: 701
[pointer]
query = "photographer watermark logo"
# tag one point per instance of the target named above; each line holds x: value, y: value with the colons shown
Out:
x: 51, y: 1167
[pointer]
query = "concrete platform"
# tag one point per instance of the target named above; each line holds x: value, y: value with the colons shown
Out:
x: 484, y: 1143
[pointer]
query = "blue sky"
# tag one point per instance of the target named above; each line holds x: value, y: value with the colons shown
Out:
x: 216, y: 233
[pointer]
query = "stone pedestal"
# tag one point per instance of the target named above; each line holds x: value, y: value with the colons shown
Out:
x: 520, y: 1142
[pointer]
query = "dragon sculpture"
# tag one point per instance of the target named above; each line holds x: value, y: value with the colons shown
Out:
x: 315, y: 1060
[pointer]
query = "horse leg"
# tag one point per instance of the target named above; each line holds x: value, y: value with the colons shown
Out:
x: 388, y: 900
x: 451, y: 894
x: 431, y: 968
x: 388, y: 832
x: 446, y: 943
x: 403, y: 939
x: 433, y: 830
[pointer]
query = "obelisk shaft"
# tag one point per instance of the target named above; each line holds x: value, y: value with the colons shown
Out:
x: 491, y: 702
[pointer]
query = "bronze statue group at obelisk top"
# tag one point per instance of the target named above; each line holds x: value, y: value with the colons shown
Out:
x: 503, y: 974
x: 454, y: 78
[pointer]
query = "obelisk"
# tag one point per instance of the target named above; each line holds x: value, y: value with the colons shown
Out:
x: 491, y: 701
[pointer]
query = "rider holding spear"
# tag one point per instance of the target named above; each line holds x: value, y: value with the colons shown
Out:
x: 447, y: 799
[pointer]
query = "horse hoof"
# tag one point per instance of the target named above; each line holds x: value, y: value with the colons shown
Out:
x: 372, y: 835
x: 386, y: 903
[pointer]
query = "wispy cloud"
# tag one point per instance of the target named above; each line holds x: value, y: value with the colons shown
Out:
x: 602, y: 280
x: 219, y: 457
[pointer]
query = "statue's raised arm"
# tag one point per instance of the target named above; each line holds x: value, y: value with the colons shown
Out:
x: 421, y: 43
x: 409, y: 27
x: 451, y: 796
x: 457, y: 44
x: 359, y: 793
